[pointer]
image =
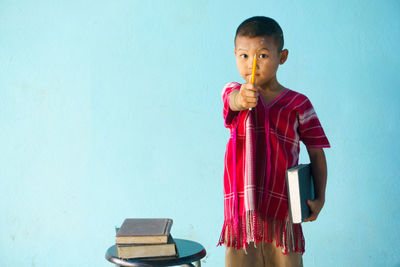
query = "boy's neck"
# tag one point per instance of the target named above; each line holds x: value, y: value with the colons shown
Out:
x: 271, y: 87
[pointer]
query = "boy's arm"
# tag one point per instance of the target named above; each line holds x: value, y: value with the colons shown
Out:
x: 319, y: 173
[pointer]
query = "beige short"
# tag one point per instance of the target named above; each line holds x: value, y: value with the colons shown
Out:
x: 264, y: 255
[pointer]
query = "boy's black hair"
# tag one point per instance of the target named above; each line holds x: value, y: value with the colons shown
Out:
x: 261, y: 26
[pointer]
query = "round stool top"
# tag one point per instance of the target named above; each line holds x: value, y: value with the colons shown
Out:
x: 189, y: 251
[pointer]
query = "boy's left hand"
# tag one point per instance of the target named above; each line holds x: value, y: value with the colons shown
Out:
x: 316, y: 206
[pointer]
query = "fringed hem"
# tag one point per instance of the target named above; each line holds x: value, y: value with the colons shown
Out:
x: 286, y: 235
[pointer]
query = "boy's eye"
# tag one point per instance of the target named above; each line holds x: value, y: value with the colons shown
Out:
x: 243, y: 56
x: 263, y: 56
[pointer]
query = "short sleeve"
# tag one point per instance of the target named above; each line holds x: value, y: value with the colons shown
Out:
x: 310, y: 129
x: 230, y: 116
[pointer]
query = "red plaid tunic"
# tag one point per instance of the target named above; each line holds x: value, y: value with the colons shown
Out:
x: 288, y: 119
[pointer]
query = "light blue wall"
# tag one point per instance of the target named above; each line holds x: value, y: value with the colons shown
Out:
x: 112, y: 109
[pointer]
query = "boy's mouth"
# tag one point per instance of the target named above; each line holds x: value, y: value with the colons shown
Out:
x: 249, y: 75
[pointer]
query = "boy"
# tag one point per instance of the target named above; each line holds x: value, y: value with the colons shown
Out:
x: 266, y: 121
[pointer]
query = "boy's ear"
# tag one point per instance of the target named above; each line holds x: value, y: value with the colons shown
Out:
x: 234, y: 51
x: 284, y: 55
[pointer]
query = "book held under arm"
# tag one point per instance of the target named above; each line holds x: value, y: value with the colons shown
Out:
x: 300, y: 189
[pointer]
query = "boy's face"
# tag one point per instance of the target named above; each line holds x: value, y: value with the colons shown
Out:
x: 268, y: 58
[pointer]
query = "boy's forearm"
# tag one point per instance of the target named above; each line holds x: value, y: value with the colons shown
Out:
x: 319, y: 172
x: 233, y: 101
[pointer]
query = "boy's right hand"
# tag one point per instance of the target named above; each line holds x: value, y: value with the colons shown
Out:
x: 247, y: 96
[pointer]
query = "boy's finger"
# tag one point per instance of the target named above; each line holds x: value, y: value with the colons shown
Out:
x: 314, y: 207
x: 310, y: 204
x: 250, y: 86
x: 310, y: 218
x: 251, y: 97
x: 248, y: 102
x: 252, y: 101
x: 250, y: 93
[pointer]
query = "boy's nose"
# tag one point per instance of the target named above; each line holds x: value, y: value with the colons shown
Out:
x: 251, y: 61
x: 250, y: 65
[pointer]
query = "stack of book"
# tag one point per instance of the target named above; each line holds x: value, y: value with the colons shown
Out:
x: 145, y: 238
